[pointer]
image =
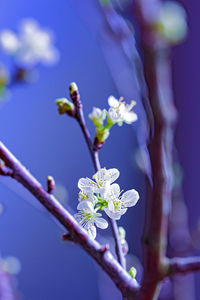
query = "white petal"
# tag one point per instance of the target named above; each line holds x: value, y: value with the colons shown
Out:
x: 86, y: 205
x: 123, y: 211
x: 101, y: 175
x: 130, y: 198
x: 29, y: 26
x: 78, y: 217
x: 96, y: 113
x: 101, y: 223
x: 113, y: 174
x: 104, y: 114
x: 112, y: 215
x: 113, y: 102
x: 114, y: 114
x: 86, y: 184
x: 111, y: 206
x: 130, y: 117
x: 92, y: 231
x: 115, y: 188
x: 9, y: 41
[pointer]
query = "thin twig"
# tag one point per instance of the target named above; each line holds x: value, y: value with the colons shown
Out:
x: 104, y: 258
x: 120, y: 255
x: 79, y: 116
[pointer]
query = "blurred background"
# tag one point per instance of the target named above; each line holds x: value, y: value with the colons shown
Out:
x: 50, y: 144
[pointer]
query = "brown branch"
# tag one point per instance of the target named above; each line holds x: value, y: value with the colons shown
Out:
x: 104, y: 258
x: 158, y: 76
x: 180, y: 243
x: 183, y: 265
x: 79, y: 116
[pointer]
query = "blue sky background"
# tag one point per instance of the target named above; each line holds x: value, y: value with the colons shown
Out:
x: 49, y: 144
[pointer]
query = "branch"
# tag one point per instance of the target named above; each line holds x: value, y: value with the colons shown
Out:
x: 183, y: 265
x: 158, y: 77
x: 104, y: 258
x: 79, y: 116
x: 7, y: 290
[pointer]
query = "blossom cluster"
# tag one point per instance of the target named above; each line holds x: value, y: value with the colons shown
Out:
x: 32, y: 45
x: 118, y: 113
x: 101, y: 194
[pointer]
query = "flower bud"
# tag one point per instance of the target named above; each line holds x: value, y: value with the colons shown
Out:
x: 122, y: 232
x: 50, y: 184
x: 64, y: 106
x: 132, y: 272
x: 73, y: 88
x: 122, y: 238
x: 97, y: 116
x: 102, y: 134
x: 4, y: 77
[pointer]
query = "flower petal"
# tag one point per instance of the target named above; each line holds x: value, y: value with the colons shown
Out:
x: 79, y: 217
x: 113, y: 174
x: 86, y: 205
x: 130, y: 198
x: 101, y: 175
x: 111, y: 206
x: 115, y: 188
x: 101, y: 223
x: 114, y: 114
x: 113, y: 102
x: 113, y: 215
x: 86, y: 184
x: 92, y: 231
x: 9, y: 41
x: 130, y: 117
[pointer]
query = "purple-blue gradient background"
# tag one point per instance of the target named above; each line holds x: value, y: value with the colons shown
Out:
x: 49, y: 144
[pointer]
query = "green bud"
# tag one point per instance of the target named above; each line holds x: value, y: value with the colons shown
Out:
x: 73, y: 88
x: 64, y: 105
x: 133, y: 272
x: 102, y: 134
x: 122, y: 232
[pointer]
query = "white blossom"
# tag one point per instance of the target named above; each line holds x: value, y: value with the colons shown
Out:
x: 31, y: 46
x: 120, y: 112
x: 172, y: 22
x: 117, y: 205
x: 102, y: 194
x: 88, y: 218
x: 103, y: 179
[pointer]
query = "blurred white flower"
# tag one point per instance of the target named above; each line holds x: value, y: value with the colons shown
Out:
x: 31, y: 46
x: 11, y: 265
x: 120, y: 112
x: 88, y: 218
x: 172, y: 23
